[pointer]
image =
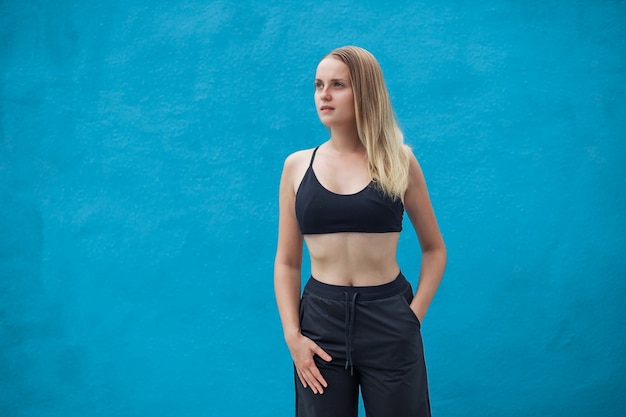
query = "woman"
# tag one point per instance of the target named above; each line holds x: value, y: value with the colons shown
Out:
x: 358, y: 322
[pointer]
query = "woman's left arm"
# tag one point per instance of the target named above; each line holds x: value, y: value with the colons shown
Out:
x: 420, y: 211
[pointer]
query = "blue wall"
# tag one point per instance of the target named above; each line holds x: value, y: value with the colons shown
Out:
x: 140, y: 152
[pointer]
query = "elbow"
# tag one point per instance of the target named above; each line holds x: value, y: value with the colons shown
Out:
x: 286, y: 266
x: 441, y: 253
x: 436, y: 252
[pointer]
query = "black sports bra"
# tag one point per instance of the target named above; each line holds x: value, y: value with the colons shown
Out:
x: 319, y: 210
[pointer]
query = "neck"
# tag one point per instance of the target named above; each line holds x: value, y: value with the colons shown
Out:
x: 345, y: 140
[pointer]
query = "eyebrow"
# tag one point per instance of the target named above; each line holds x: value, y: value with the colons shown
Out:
x: 334, y: 79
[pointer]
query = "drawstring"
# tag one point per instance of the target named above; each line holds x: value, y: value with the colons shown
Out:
x: 334, y: 295
x: 349, y: 325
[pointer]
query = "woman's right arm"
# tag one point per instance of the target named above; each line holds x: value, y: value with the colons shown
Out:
x: 287, y: 273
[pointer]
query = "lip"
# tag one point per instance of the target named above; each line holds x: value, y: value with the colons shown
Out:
x: 326, y: 108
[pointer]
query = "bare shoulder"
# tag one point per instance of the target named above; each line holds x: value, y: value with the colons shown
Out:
x: 295, y: 166
x: 298, y: 158
x: 416, y: 176
x: 298, y: 161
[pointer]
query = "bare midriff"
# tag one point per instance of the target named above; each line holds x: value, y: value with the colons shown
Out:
x: 354, y: 259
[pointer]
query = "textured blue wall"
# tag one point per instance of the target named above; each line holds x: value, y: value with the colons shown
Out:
x: 141, y: 147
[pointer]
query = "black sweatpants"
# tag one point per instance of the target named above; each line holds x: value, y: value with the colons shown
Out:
x: 374, y: 339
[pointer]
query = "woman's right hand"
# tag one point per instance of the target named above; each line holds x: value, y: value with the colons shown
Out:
x: 302, y: 351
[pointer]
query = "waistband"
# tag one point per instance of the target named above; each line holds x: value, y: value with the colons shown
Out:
x: 366, y: 293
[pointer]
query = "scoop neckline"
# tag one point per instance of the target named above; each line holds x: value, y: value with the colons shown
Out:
x: 339, y: 194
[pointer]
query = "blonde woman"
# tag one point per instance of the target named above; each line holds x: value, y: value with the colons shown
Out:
x: 357, y: 323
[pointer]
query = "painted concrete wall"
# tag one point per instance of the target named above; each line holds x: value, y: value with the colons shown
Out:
x: 140, y: 151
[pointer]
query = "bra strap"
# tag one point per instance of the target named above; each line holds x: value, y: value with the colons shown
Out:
x: 313, y: 157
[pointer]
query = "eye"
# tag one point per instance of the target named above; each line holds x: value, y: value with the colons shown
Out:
x: 338, y: 84
x: 318, y: 85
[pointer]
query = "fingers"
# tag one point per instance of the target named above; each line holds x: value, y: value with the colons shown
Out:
x: 318, y: 380
x: 322, y: 353
x: 310, y: 374
x: 302, y: 380
x: 303, y: 352
x: 313, y: 378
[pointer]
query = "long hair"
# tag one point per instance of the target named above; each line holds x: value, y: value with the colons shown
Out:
x: 378, y: 130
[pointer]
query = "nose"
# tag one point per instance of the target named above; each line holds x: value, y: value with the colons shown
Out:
x: 324, y: 94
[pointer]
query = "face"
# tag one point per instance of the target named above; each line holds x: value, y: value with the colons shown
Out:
x: 334, y: 99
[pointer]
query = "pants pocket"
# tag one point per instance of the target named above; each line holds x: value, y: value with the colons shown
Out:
x: 406, y: 299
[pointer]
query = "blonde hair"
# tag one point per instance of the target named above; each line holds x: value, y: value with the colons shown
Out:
x: 387, y: 155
